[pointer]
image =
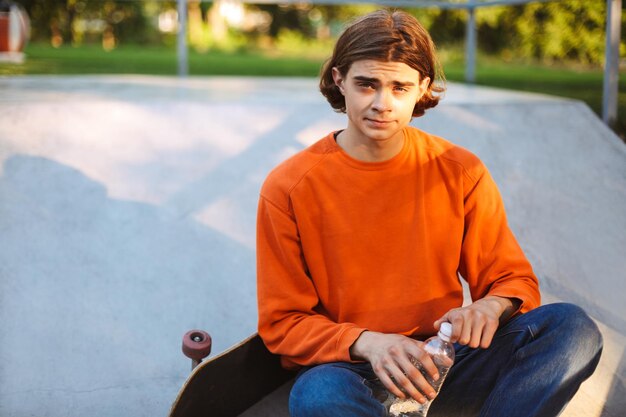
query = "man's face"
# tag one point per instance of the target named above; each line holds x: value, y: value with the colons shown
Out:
x: 380, y: 97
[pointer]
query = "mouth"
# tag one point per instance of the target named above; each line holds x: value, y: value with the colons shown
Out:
x: 378, y: 122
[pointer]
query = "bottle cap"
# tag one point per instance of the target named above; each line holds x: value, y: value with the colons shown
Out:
x: 445, y: 331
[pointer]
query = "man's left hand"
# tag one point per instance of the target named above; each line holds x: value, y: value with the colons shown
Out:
x: 475, y: 324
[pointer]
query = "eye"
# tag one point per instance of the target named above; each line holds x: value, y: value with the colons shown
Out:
x: 365, y: 85
x: 400, y: 89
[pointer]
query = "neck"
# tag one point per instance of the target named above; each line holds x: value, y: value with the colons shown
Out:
x: 370, y: 150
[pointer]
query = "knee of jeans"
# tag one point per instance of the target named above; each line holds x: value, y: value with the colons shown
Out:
x: 577, y: 328
x: 319, y: 391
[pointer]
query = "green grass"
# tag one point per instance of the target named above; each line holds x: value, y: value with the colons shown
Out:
x: 92, y: 59
x: 585, y: 85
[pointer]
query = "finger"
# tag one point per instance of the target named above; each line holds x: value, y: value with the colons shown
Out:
x: 384, y: 370
x: 397, y: 372
x: 405, y: 380
x: 390, y: 385
x: 477, y: 330
x: 420, y: 365
x: 456, y: 320
x: 437, y: 323
x: 488, y: 332
x: 464, y: 329
x: 425, y: 361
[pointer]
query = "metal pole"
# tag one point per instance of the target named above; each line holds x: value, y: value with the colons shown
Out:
x: 183, y: 68
x: 611, y: 61
x: 470, y: 44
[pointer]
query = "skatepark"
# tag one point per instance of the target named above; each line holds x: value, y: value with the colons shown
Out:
x: 127, y: 217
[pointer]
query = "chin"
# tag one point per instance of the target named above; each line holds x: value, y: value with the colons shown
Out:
x: 382, y: 134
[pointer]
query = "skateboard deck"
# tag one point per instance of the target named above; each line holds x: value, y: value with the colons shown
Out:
x: 232, y: 382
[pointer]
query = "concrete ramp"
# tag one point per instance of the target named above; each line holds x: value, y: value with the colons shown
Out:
x: 127, y: 215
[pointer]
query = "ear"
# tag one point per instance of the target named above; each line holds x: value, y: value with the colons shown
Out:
x: 423, y: 87
x: 338, y: 79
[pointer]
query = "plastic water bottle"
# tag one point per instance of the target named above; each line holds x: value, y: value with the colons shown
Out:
x: 442, y: 353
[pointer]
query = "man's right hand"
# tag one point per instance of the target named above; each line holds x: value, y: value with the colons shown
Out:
x: 390, y: 356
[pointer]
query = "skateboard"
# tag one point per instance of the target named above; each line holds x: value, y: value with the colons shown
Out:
x: 230, y: 383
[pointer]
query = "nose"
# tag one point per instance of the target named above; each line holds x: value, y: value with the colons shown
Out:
x: 382, y: 100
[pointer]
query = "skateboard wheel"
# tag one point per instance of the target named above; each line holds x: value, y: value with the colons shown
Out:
x: 196, y: 344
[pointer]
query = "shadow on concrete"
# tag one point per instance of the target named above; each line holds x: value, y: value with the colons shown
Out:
x: 96, y: 294
x: 616, y: 399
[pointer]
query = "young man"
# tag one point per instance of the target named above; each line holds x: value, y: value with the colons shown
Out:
x: 362, y: 237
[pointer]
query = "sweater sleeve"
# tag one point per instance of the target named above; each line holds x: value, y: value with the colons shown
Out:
x: 290, y: 322
x: 492, y: 261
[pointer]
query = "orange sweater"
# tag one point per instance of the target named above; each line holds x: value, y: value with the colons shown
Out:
x: 345, y: 245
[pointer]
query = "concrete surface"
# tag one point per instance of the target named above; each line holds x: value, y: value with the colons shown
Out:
x: 127, y: 211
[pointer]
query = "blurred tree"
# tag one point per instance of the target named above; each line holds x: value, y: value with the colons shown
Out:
x: 126, y: 21
x: 569, y: 30
x: 288, y: 16
x: 572, y: 30
x: 46, y: 17
x: 61, y: 21
x: 447, y: 26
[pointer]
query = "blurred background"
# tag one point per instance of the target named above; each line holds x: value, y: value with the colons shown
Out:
x: 554, y: 47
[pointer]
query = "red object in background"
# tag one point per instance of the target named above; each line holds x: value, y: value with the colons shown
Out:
x: 4, y: 31
x: 14, y: 28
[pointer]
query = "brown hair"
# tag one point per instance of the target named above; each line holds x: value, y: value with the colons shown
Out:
x: 384, y: 36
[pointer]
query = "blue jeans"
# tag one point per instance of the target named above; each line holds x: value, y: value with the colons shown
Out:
x: 533, y: 367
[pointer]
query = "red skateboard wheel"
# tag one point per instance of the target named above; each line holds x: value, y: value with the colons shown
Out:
x: 196, y: 344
